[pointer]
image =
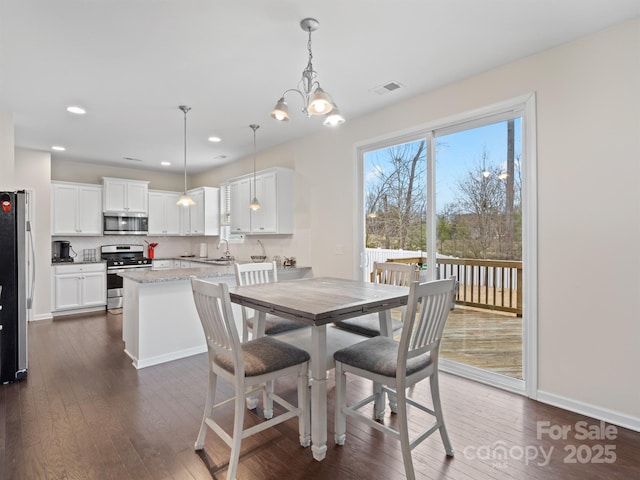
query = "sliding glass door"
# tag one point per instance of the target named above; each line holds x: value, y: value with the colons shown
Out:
x: 451, y: 200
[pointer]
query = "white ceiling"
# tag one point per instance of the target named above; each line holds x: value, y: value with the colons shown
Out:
x: 130, y: 63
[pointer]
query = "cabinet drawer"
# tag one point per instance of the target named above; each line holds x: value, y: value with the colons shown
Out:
x: 83, y: 268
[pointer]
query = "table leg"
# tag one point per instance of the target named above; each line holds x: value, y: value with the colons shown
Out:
x: 258, y: 324
x: 319, y: 392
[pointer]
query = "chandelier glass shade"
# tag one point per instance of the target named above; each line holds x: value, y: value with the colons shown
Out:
x: 315, y: 100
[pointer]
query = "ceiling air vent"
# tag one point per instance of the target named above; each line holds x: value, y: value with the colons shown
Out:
x: 387, y: 87
x: 131, y: 159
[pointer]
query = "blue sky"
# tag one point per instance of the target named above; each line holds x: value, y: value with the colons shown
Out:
x: 459, y: 153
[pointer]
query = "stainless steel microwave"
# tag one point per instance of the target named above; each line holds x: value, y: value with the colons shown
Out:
x: 125, y: 224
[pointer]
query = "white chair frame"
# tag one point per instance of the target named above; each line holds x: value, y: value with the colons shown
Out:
x: 423, y: 323
x: 214, y: 308
x: 255, y: 273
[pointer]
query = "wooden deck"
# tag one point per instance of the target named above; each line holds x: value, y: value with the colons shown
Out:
x: 485, y: 339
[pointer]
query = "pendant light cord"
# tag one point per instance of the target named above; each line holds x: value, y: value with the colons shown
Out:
x: 254, y: 202
x: 185, y: 109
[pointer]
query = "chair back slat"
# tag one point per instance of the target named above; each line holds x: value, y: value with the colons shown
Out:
x: 254, y: 273
x: 425, y: 316
x: 216, y: 316
x: 389, y: 273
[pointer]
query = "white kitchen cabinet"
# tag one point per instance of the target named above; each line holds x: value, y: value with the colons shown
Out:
x: 203, y: 218
x: 165, y: 264
x: 274, y: 191
x: 125, y: 196
x: 76, y: 209
x: 79, y: 286
x: 164, y: 213
x: 240, y: 193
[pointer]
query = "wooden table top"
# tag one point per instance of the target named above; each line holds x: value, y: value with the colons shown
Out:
x: 318, y: 301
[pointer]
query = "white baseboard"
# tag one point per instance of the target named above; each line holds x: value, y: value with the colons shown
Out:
x: 599, y: 413
x: 41, y: 316
x: 149, y: 361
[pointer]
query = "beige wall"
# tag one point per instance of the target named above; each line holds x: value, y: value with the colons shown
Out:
x: 588, y: 170
x: 70, y: 171
x: 7, y: 163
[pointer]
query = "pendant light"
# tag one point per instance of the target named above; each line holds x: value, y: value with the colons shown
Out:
x: 185, y: 200
x: 255, y: 204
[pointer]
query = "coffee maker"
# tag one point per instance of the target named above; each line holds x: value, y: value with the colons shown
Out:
x: 60, y: 251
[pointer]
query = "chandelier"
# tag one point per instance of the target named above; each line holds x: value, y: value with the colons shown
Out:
x: 314, y: 99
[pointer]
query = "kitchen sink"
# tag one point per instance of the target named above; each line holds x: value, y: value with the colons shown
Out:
x: 219, y: 261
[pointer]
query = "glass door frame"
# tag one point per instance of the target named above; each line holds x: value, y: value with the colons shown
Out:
x: 524, y: 107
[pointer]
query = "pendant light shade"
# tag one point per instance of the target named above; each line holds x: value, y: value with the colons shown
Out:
x: 185, y: 200
x: 255, y: 204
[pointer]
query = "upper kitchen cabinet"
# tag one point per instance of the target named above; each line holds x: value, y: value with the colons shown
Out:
x: 239, y: 192
x: 164, y: 213
x: 203, y: 218
x: 274, y: 191
x: 76, y: 209
x: 125, y: 196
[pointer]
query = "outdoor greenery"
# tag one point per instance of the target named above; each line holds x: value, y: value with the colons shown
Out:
x: 484, y: 220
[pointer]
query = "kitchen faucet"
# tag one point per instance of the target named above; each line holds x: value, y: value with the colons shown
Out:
x: 227, y: 253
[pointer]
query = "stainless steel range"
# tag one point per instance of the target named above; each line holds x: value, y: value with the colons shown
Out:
x: 121, y: 258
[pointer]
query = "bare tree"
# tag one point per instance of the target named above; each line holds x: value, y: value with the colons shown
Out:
x: 395, y: 201
x: 482, y: 200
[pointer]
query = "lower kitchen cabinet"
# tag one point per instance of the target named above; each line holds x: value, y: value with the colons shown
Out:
x: 165, y: 263
x: 81, y: 286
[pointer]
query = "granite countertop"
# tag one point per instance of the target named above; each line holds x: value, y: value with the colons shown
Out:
x: 149, y: 275
x: 77, y: 262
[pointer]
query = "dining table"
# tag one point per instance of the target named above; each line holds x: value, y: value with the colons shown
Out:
x: 318, y: 302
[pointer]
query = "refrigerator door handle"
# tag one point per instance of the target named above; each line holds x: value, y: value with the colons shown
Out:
x: 33, y: 266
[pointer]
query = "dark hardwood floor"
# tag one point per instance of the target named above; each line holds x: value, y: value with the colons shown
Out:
x: 85, y: 413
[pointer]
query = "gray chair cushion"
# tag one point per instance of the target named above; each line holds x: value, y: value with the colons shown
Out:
x: 367, y: 325
x: 379, y: 355
x: 264, y: 355
x: 274, y: 324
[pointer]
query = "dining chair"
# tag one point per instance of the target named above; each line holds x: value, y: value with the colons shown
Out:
x: 250, y: 367
x: 251, y: 274
x: 388, y: 273
x: 394, y: 366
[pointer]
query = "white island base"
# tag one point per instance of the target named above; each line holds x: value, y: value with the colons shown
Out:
x: 159, y: 318
x: 160, y: 322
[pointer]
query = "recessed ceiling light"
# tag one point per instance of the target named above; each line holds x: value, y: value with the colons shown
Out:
x: 58, y: 148
x: 76, y: 109
x: 165, y: 164
x: 215, y: 139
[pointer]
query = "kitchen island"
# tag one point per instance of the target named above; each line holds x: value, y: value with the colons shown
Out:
x: 159, y: 318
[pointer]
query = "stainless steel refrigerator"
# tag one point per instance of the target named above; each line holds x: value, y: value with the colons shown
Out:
x: 17, y: 278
